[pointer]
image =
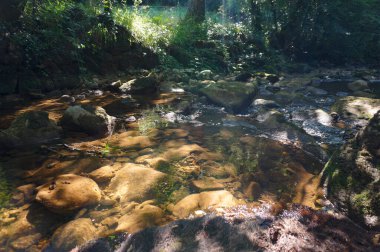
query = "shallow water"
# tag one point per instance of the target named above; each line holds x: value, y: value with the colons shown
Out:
x: 201, y: 150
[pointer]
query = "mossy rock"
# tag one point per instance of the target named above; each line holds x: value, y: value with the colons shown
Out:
x: 234, y: 96
x: 351, y: 177
x: 30, y: 128
x: 352, y: 107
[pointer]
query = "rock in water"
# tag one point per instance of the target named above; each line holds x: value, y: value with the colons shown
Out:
x: 30, y: 128
x: 73, y: 234
x: 92, y: 120
x: 68, y: 193
x: 234, y: 96
x: 143, y: 85
x: 358, y: 85
x: 204, y: 200
x: 135, y: 182
x: 141, y: 217
x: 352, y: 176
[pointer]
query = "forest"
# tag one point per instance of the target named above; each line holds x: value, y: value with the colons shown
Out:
x: 189, y: 125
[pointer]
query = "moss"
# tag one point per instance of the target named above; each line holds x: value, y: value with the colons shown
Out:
x: 165, y: 188
x: 165, y: 167
x: 4, y: 189
x: 334, y: 175
x: 362, y: 202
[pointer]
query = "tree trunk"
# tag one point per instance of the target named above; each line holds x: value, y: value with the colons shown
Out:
x: 197, y: 10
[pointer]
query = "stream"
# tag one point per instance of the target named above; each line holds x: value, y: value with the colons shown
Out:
x: 272, y: 152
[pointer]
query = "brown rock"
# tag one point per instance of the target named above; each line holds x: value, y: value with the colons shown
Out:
x: 207, y: 184
x: 73, y: 234
x: 141, y: 217
x: 134, y: 182
x: 105, y: 173
x: 204, y: 200
x: 23, y: 194
x: 68, y: 193
x: 252, y: 191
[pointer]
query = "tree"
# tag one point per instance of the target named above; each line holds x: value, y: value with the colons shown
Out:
x: 197, y: 10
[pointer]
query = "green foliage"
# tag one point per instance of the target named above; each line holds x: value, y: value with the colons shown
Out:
x: 59, y: 35
x: 109, y: 149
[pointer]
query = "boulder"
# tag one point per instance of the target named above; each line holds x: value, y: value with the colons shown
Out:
x: 92, y: 120
x: 358, y: 85
x: 203, y: 200
x: 142, y: 85
x: 30, y: 128
x: 354, y: 108
x: 351, y: 177
x: 73, y: 234
x: 68, y: 193
x: 134, y: 182
x: 234, y: 96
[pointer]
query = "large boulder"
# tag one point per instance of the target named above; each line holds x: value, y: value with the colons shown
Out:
x: 30, y: 128
x: 92, y: 120
x: 73, y: 234
x: 142, y: 85
x: 354, y: 108
x: 68, y: 193
x: 352, y: 176
x: 135, y: 182
x: 234, y: 96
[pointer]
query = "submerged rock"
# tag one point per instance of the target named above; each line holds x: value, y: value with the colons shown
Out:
x: 68, y: 193
x: 135, y: 182
x: 30, y: 128
x: 358, y: 85
x: 204, y: 200
x: 22, y: 228
x: 207, y: 184
x: 234, y: 96
x: 141, y: 217
x: 92, y: 120
x: 73, y: 234
x: 352, y: 176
